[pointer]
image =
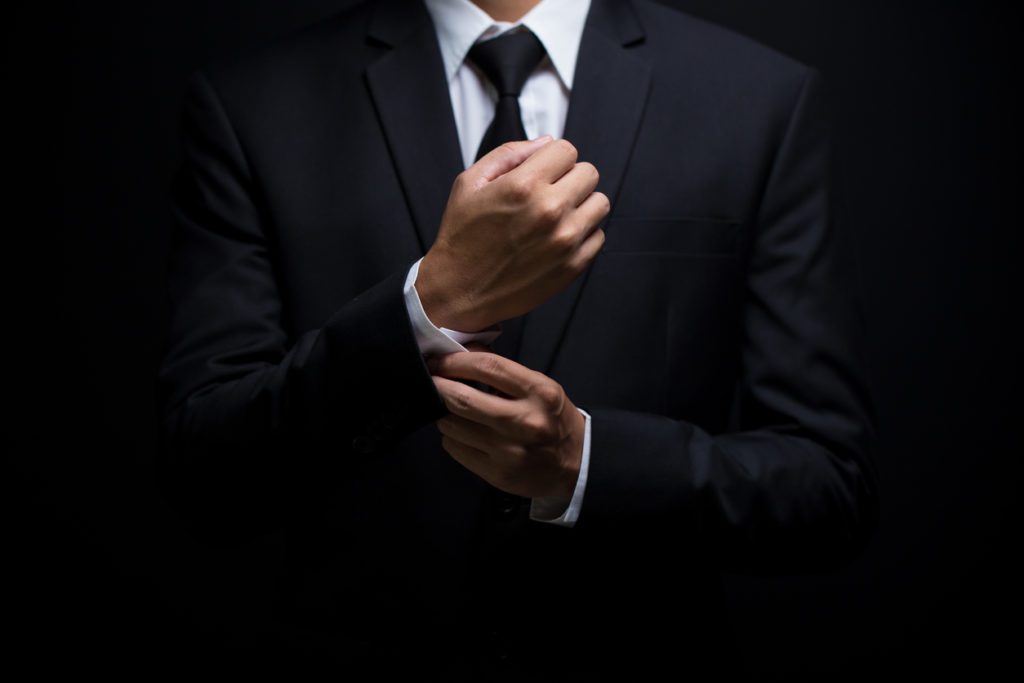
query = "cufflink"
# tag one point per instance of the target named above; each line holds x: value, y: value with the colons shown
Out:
x: 362, y: 444
x: 377, y: 429
x: 508, y: 504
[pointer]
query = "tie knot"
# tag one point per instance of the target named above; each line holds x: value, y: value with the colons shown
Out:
x: 508, y: 60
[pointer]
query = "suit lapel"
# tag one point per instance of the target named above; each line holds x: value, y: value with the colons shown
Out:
x: 606, y: 106
x: 410, y: 93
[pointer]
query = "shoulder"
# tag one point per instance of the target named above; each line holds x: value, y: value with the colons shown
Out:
x: 680, y: 44
x: 296, y: 61
x: 684, y: 34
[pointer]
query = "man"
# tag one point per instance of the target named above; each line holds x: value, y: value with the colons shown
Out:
x: 674, y: 383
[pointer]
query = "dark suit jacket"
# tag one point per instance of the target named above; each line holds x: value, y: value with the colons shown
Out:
x: 716, y: 341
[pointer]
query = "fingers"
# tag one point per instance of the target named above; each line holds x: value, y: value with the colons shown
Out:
x: 473, y: 404
x: 578, y: 183
x: 490, y: 368
x: 588, y: 250
x: 547, y: 164
x: 589, y: 214
x: 504, y: 158
x: 583, y: 227
x: 465, y: 431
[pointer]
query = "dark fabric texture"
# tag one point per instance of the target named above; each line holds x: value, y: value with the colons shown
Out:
x: 716, y: 340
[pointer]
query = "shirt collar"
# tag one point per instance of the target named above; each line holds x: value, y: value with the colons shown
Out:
x: 558, y: 24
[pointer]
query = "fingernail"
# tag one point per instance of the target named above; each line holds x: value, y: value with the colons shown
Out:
x: 544, y: 138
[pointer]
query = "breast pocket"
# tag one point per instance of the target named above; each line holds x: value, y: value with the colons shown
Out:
x: 672, y: 236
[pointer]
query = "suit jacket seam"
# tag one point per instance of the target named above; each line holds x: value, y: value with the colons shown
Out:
x: 236, y: 140
x: 787, y: 135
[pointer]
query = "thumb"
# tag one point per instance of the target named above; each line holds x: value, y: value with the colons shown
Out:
x: 504, y: 158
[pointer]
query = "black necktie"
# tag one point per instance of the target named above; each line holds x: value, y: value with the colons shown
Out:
x: 507, y: 61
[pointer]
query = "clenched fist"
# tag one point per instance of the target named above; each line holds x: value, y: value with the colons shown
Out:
x: 520, y: 225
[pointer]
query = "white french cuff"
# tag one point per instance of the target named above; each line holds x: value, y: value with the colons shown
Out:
x: 431, y: 339
x: 542, y: 509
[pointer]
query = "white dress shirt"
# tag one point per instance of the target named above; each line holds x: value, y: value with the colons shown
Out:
x: 544, y: 101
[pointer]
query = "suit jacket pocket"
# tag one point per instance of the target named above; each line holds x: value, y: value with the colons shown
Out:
x: 679, y: 235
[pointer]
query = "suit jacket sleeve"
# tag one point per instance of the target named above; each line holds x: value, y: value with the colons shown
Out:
x: 792, y: 485
x: 246, y: 409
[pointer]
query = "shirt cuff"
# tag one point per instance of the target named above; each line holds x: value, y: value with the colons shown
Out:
x: 431, y: 339
x: 542, y: 509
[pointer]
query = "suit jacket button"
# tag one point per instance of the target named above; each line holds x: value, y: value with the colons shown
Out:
x: 378, y: 430
x: 499, y: 646
x: 389, y: 420
x: 362, y: 444
x: 509, y: 504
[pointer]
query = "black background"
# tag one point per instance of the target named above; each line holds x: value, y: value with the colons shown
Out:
x: 103, y: 576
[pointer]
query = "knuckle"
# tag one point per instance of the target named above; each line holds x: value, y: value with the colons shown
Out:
x: 536, y: 427
x: 589, y: 168
x: 549, y: 209
x: 564, y: 240
x: 568, y: 147
x: 491, y: 365
x: 509, y: 147
x: 460, y: 399
x: 520, y: 189
x: 549, y: 393
x: 603, y: 201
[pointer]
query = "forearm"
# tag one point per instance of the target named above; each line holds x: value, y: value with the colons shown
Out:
x: 760, y: 500
x: 358, y: 380
x: 248, y: 414
x: 250, y: 442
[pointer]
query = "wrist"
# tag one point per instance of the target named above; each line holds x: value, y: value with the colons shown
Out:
x: 575, y: 463
x: 442, y: 302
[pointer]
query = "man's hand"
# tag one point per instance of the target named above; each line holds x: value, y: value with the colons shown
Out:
x: 520, y: 225
x: 526, y: 440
